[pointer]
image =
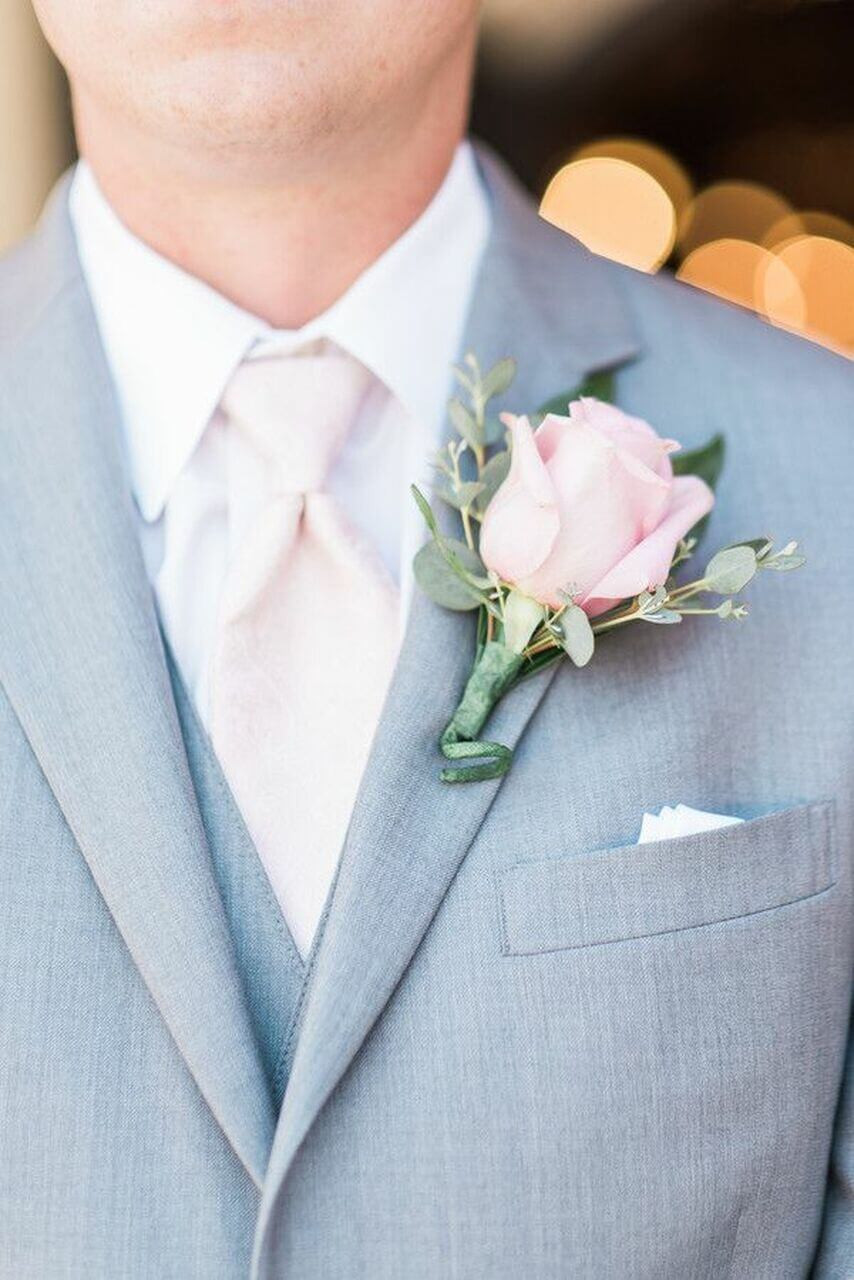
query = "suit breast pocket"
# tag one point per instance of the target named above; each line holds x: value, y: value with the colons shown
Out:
x: 640, y: 891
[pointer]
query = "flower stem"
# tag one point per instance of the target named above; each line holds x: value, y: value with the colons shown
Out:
x: 599, y: 627
x: 467, y: 529
x: 696, y: 612
x: 491, y: 677
x: 683, y: 593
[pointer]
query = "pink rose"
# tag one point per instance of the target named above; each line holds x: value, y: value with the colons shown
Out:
x: 590, y: 507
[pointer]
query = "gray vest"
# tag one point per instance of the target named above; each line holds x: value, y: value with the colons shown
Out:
x: 270, y: 967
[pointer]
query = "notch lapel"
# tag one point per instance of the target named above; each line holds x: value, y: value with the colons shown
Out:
x: 82, y: 662
x: 544, y: 299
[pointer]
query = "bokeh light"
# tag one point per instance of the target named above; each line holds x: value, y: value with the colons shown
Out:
x: 811, y: 222
x: 633, y: 202
x: 615, y: 208
x: 662, y: 166
x: 735, y: 269
x: 824, y: 270
x: 730, y: 211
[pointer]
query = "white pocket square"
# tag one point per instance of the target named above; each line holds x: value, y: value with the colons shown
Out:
x: 681, y: 821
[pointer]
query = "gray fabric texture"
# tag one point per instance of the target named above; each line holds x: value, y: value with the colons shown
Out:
x: 270, y: 965
x: 524, y: 1047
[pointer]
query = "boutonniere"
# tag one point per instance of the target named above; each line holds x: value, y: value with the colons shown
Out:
x: 573, y: 522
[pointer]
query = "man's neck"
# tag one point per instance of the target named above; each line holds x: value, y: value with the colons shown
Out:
x: 282, y: 250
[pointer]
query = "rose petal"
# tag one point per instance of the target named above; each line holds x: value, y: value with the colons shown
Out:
x: 522, y: 521
x: 607, y: 502
x: 648, y: 564
x: 633, y: 435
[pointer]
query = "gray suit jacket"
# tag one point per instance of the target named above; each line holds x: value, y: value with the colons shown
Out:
x: 522, y: 1046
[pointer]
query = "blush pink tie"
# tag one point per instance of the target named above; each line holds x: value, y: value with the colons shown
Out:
x: 308, y: 630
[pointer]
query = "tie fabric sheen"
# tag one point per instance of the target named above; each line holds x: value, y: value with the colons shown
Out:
x: 308, y: 628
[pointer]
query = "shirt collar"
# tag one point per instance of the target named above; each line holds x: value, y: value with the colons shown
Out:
x: 172, y: 342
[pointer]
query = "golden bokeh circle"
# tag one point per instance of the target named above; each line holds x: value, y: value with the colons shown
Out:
x: 730, y: 211
x: 735, y: 270
x: 813, y: 222
x: 657, y: 162
x: 824, y: 270
x: 615, y: 208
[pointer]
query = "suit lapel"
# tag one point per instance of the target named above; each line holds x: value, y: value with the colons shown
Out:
x: 545, y: 300
x: 81, y: 659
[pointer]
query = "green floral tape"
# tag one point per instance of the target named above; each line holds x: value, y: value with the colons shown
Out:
x: 494, y: 672
x: 496, y: 760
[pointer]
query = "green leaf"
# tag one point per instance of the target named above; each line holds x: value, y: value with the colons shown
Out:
x: 492, y: 477
x: 598, y: 385
x: 761, y: 546
x: 442, y: 461
x: 666, y: 616
x: 464, y: 422
x: 425, y: 509
x: 783, y: 563
x: 499, y: 378
x: 706, y: 462
x: 577, y: 634
x: 493, y: 429
x: 783, y: 560
x: 439, y: 580
x: 463, y: 495
x: 462, y: 377
x: 652, y: 600
x: 466, y: 563
x: 557, y: 404
x: 730, y: 570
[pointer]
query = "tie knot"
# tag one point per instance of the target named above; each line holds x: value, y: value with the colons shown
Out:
x: 296, y: 411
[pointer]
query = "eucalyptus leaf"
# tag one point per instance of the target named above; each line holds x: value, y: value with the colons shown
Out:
x: 492, y: 477
x: 652, y: 600
x: 732, y: 611
x: 577, y: 634
x: 461, y: 495
x: 493, y: 429
x: 425, y: 509
x: 684, y: 551
x: 438, y: 580
x: 441, y: 460
x: 664, y: 616
x: 783, y: 563
x: 462, y: 377
x: 466, y: 563
x: 761, y: 546
x: 730, y: 570
x: 464, y: 422
x: 499, y: 378
x: 782, y: 560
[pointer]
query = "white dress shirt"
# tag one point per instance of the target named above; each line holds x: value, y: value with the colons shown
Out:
x: 172, y: 343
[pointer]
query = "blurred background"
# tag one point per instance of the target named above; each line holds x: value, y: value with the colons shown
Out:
x: 713, y: 138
